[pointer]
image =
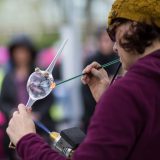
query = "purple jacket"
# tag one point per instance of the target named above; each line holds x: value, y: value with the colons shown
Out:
x: 126, y: 123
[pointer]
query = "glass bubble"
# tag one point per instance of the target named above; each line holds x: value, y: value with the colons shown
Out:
x: 39, y: 84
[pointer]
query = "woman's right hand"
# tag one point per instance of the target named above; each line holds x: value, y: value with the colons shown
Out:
x: 96, y: 79
x: 20, y: 124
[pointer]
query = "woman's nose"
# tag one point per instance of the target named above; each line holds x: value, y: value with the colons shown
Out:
x: 115, y: 48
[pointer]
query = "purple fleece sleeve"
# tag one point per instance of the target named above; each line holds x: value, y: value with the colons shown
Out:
x: 33, y: 147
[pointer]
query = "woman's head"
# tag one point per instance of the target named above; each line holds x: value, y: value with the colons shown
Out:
x: 105, y: 44
x: 133, y: 29
x: 22, y: 51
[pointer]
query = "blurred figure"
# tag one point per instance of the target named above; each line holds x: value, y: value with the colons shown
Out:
x: 104, y: 54
x: 22, y: 59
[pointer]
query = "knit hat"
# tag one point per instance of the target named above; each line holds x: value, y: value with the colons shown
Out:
x: 145, y: 11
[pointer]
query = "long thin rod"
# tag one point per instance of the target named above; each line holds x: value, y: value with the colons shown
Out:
x: 52, y: 64
x: 102, y: 66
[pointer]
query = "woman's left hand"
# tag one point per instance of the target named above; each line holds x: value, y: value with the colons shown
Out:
x: 20, y: 124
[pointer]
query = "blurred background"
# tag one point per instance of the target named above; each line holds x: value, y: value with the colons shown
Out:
x: 31, y: 32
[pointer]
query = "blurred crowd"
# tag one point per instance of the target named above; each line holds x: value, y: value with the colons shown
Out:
x: 18, y: 60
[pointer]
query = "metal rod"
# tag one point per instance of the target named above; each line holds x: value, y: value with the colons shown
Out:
x: 102, y: 66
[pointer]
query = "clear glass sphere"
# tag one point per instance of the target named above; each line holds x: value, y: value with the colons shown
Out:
x: 39, y: 84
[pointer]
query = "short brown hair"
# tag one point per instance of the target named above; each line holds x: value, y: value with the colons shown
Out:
x: 140, y: 35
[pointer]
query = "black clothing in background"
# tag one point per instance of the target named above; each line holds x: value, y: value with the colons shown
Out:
x: 88, y: 100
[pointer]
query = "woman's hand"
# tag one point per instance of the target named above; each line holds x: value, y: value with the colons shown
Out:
x: 20, y: 124
x: 97, y: 79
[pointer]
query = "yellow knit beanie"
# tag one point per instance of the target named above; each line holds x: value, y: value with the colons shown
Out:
x: 145, y: 11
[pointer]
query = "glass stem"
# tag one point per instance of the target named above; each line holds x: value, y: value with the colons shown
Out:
x: 30, y: 103
x: 52, y: 64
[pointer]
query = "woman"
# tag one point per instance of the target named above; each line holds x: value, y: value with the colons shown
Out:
x: 22, y: 63
x: 125, y: 125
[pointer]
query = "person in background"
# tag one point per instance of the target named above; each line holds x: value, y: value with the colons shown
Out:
x: 22, y: 63
x: 104, y: 54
